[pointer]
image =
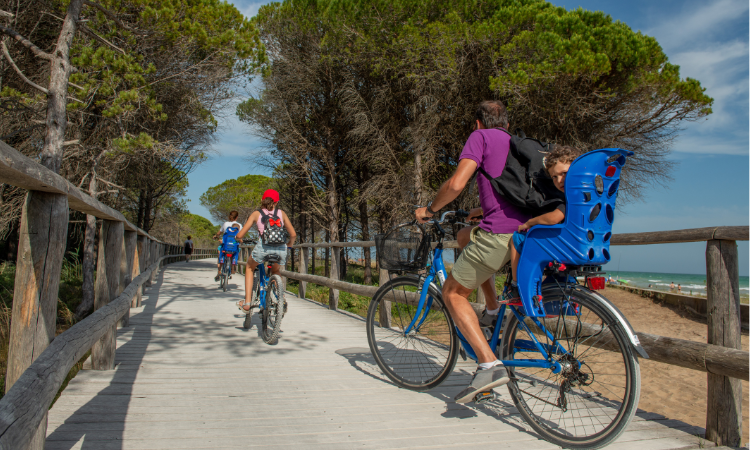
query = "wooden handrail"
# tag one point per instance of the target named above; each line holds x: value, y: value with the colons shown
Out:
x: 731, y: 233
x: 19, y: 170
x: 677, y: 352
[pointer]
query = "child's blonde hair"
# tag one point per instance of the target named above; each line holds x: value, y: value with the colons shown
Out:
x: 561, y: 154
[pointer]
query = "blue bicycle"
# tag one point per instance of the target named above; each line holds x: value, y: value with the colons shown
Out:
x: 268, y: 297
x: 571, y: 355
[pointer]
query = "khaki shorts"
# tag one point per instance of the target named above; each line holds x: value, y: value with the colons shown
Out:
x: 485, y: 255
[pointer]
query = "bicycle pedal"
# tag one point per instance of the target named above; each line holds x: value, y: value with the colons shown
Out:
x: 484, y: 397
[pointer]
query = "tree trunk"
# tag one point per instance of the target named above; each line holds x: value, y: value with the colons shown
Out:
x: 364, y: 222
x: 418, y: 176
x: 89, y: 257
x: 42, y: 241
x: 147, y: 211
x: 312, y: 241
x: 327, y: 269
x: 88, y: 264
x: 333, y: 227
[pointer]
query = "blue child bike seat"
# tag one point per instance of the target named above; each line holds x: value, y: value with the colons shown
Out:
x: 228, y: 241
x: 582, y: 239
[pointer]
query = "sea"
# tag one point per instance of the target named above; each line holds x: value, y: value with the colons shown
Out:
x: 691, y: 284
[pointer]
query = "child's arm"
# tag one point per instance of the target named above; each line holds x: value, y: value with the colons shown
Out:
x: 551, y: 218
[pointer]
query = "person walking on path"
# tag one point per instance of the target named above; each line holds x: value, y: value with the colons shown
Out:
x: 488, y: 148
x: 271, y: 222
x: 188, y: 248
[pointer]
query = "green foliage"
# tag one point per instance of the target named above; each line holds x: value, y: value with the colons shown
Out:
x: 200, y: 227
x: 397, y: 79
x: 241, y: 194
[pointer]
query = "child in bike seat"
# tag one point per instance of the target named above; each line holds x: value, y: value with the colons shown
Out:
x: 557, y: 163
x: 230, y: 223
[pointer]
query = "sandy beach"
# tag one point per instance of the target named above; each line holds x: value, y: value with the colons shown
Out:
x: 672, y: 391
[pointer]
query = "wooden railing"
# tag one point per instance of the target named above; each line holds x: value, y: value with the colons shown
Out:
x: 127, y: 260
x: 721, y: 357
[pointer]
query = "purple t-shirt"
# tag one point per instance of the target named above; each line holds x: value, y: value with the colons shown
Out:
x: 489, y: 149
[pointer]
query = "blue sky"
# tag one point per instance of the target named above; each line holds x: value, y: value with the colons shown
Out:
x: 710, y: 186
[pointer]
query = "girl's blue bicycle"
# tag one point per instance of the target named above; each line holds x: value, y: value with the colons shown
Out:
x: 268, y: 297
x: 571, y: 355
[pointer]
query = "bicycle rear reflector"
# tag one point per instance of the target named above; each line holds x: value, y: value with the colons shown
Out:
x: 595, y: 283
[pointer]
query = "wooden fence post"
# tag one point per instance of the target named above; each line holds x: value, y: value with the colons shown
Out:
x: 148, y: 248
x: 137, y: 269
x: 41, y: 248
x: 385, y: 307
x: 126, y: 268
x: 304, y: 254
x: 107, y: 286
x: 724, y: 396
x: 154, y: 258
x: 333, y: 294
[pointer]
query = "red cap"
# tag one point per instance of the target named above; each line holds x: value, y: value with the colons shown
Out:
x: 270, y: 193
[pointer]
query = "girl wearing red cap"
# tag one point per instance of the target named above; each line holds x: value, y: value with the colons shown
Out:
x: 268, y: 219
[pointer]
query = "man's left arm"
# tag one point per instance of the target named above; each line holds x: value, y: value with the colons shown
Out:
x: 450, y: 189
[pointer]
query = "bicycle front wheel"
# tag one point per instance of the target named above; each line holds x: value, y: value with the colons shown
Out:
x: 425, y: 356
x: 591, y: 401
x: 274, y: 310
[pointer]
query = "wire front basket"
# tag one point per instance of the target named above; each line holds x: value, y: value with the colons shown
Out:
x: 404, y: 248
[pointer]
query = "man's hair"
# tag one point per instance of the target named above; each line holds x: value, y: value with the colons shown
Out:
x: 561, y: 154
x: 233, y: 215
x: 267, y: 203
x: 189, y: 237
x: 492, y: 114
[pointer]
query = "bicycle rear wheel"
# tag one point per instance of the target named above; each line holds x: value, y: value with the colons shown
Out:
x: 591, y: 401
x: 248, y: 323
x: 274, y: 310
x: 426, y: 356
x: 226, y: 270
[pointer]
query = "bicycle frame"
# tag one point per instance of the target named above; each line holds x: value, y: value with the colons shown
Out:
x: 437, y: 269
x: 262, y: 283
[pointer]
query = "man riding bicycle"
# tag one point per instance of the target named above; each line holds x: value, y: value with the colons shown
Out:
x: 487, y: 147
x: 231, y: 223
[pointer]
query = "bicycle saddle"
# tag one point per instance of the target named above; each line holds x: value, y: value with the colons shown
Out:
x: 272, y: 259
x: 583, y: 238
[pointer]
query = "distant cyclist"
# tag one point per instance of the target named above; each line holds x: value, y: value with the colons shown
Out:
x: 272, y: 223
x: 231, y: 223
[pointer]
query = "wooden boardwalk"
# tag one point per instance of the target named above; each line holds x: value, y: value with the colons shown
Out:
x: 189, y: 376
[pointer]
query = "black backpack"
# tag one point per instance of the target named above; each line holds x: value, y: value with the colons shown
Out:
x: 272, y: 234
x: 524, y: 182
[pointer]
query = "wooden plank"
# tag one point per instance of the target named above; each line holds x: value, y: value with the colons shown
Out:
x: 25, y: 405
x: 128, y: 268
x: 333, y: 293
x: 724, y: 394
x: 107, y: 286
x: 735, y: 233
x: 385, y: 315
x: 19, y: 170
x: 139, y: 263
x: 41, y: 250
x: 304, y: 255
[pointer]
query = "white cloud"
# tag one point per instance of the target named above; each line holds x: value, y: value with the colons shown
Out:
x: 698, y: 23
x: 251, y: 9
